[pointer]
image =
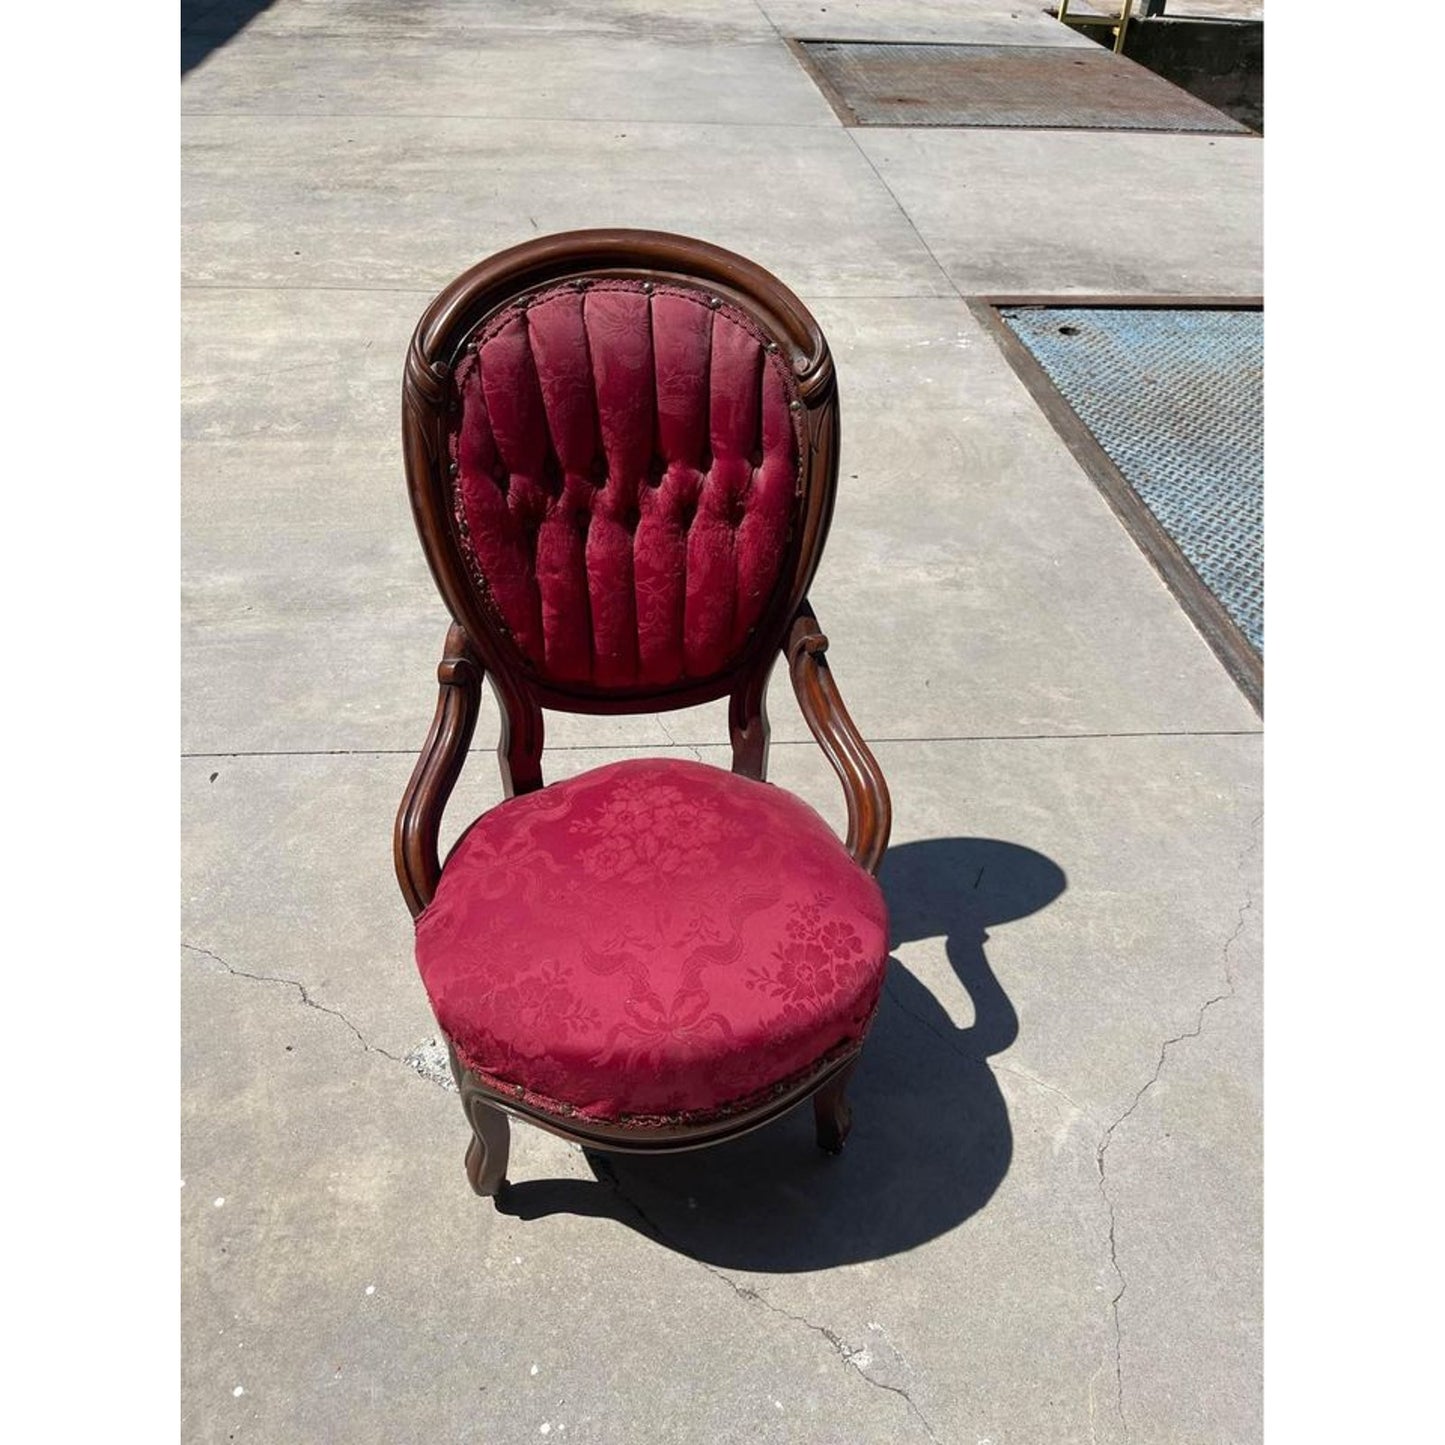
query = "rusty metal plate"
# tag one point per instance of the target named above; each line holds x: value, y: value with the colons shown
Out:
x: 1039, y: 86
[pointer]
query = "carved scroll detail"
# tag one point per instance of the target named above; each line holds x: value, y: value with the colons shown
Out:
x: 870, y: 810
x: 418, y: 821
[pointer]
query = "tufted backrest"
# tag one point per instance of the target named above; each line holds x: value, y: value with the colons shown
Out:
x: 625, y: 463
x: 621, y: 451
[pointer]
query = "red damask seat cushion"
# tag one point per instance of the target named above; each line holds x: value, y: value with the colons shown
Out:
x: 653, y: 941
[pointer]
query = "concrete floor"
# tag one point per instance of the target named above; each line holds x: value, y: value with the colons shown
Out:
x: 1046, y: 1226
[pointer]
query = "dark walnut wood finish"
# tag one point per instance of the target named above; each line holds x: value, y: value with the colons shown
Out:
x: 477, y: 647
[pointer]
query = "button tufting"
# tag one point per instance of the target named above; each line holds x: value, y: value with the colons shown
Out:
x: 674, y: 491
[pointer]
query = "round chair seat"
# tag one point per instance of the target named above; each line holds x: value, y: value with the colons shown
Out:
x: 655, y: 941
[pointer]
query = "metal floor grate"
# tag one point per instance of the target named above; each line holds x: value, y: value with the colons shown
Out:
x: 1175, y: 399
x: 1044, y: 86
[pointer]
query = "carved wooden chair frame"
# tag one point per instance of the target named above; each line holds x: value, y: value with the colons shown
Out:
x: 477, y: 648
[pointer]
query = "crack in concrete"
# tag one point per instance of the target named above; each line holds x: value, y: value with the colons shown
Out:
x: 305, y: 997
x: 668, y: 734
x: 951, y: 1043
x: 1193, y: 1033
x: 845, y: 1352
x: 1041, y: 1084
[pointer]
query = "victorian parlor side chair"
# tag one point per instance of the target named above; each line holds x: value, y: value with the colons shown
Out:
x: 622, y: 450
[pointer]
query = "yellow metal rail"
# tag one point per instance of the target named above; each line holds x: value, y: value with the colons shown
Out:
x: 1119, y: 23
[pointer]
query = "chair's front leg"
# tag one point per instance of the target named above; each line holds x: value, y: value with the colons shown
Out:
x: 491, y: 1139
x: 487, y: 1153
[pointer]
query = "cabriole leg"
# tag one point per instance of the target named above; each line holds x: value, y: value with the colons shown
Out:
x: 831, y: 1115
x: 487, y: 1153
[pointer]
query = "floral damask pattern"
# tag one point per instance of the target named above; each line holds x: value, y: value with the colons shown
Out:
x: 649, y: 828
x: 541, y: 1005
x: 651, y: 939
x: 805, y: 964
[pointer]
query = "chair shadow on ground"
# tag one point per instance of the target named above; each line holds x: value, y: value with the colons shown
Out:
x: 206, y: 25
x: 931, y: 1140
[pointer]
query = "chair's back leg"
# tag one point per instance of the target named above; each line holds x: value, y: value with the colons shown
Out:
x: 748, y: 724
x: 832, y: 1117
x: 519, y: 749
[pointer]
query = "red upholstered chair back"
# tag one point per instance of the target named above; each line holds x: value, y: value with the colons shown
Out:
x: 627, y: 469
x: 621, y: 448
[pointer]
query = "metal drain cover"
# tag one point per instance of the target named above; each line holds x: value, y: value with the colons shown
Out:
x: 1174, y: 397
x: 1041, y: 86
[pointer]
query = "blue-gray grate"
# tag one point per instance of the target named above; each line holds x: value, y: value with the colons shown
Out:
x: 1175, y: 398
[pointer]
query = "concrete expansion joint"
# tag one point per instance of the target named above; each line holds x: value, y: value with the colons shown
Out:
x: 1099, y: 1158
x: 301, y: 990
x: 855, y: 1359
